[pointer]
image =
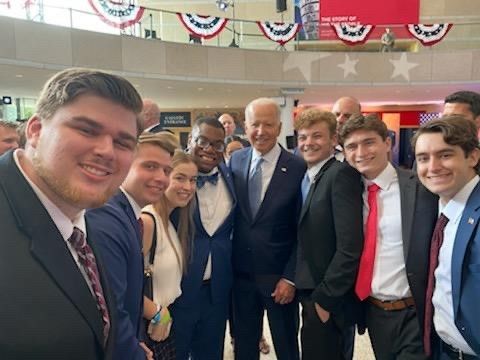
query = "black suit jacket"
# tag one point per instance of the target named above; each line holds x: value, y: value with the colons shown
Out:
x: 330, y: 232
x: 264, y: 247
x: 46, y: 308
x: 419, y: 212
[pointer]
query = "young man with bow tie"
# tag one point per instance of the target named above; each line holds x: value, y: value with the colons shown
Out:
x: 201, y: 311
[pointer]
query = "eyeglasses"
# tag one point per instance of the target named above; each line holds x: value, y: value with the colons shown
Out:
x: 204, y: 144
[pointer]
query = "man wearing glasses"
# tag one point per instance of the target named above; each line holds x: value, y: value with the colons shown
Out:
x: 200, y: 313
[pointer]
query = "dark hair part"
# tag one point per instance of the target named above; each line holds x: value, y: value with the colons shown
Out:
x: 207, y: 120
x: 65, y: 86
x: 162, y: 139
x: 470, y: 98
x: 314, y: 116
x: 369, y: 122
x: 456, y: 131
x: 232, y: 138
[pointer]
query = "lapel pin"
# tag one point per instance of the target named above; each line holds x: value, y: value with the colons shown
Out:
x: 284, y: 169
x: 471, y: 221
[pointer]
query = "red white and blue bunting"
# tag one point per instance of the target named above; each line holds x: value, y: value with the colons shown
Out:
x: 204, y: 26
x: 353, y: 34
x: 279, y: 32
x: 119, y: 13
x: 429, y: 35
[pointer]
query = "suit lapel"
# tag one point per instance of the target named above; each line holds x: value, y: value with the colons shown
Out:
x: 407, y: 184
x: 122, y: 200
x: 468, y: 224
x: 245, y: 159
x: 49, y: 248
x: 313, y: 187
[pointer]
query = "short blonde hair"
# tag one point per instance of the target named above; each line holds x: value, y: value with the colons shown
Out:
x: 314, y: 116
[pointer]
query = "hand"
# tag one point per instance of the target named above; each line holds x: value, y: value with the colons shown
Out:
x: 161, y: 330
x: 323, y: 314
x: 148, y: 352
x: 284, y: 292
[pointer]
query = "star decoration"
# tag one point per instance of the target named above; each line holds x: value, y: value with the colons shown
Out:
x: 402, y: 67
x: 348, y: 66
x: 291, y: 62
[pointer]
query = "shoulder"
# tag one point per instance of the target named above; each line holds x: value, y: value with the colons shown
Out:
x: 294, y: 161
x: 240, y: 154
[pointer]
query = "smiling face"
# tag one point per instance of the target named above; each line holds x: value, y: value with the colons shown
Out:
x: 183, y: 183
x: 442, y: 168
x: 207, y: 158
x: 262, y: 126
x: 366, y: 151
x: 148, y: 177
x: 81, y: 155
x: 316, y: 143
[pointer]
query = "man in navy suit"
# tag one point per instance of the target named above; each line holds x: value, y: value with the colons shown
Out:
x: 448, y: 156
x: 120, y: 239
x: 267, y: 182
x: 200, y: 313
x: 55, y: 301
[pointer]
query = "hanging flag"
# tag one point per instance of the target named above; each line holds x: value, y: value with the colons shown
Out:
x: 206, y: 27
x: 353, y: 34
x: 279, y: 32
x: 119, y: 13
x: 429, y: 35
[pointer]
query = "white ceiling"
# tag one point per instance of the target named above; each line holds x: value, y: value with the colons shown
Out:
x: 25, y: 81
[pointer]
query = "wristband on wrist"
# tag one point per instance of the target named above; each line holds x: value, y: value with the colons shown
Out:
x: 157, y: 317
x: 166, y: 318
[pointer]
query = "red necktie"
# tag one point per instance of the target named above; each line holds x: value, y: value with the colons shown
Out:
x: 87, y: 260
x: 363, y: 286
x: 437, y: 240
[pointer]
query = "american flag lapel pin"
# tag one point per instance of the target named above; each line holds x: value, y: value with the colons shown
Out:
x: 471, y: 221
x: 284, y: 169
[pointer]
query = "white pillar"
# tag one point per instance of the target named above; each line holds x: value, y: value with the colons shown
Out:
x: 286, y: 117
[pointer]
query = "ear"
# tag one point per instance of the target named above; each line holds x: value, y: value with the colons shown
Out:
x: 474, y: 157
x: 388, y: 141
x: 33, y: 130
x: 335, y: 140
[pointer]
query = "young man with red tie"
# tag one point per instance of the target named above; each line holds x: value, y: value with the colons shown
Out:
x: 399, y: 215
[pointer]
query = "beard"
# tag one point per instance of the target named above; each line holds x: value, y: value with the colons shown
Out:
x: 68, y: 193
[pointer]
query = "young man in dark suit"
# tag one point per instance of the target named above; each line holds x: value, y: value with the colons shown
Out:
x: 448, y: 156
x: 399, y: 216
x: 330, y: 238
x: 267, y: 183
x: 200, y: 313
x: 55, y: 301
x: 119, y: 235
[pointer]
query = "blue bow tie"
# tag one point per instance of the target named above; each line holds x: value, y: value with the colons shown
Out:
x: 202, y: 179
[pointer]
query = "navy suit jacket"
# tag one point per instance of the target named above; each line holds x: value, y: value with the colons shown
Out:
x: 466, y: 272
x: 219, y: 246
x: 46, y: 308
x: 264, y: 247
x: 120, y: 245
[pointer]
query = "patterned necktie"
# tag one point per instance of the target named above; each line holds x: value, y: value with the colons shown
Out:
x: 203, y: 179
x: 87, y: 260
x: 255, y: 187
x: 363, y: 286
x: 305, y: 187
x: 437, y: 240
x: 140, y: 227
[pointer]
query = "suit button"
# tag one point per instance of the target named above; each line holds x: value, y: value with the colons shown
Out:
x: 463, y: 328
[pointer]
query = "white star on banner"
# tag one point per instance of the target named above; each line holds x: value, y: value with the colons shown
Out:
x: 402, y: 67
x: 348, y: 66
x: 291, y: 62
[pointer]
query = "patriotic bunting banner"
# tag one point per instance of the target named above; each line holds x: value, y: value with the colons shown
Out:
x: 204, y: 26
x: 429, y: 35
x: 352, y: 34
x: 119, y: 13
x: 279, y: 32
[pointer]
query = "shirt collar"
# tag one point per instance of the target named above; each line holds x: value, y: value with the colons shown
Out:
x: 453, y: 210
x: 63, y: 223
x: 270, y: 157
x: 313, y: 171
x: 137, y: 210
x: 384, y: 179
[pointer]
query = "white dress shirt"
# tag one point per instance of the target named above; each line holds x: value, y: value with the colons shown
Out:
x: 442, y: 299
x: 389, y: 280
x: 214, y: 204
x: 313, y: 171
x: 63, y: 223
x: 268, y: 165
